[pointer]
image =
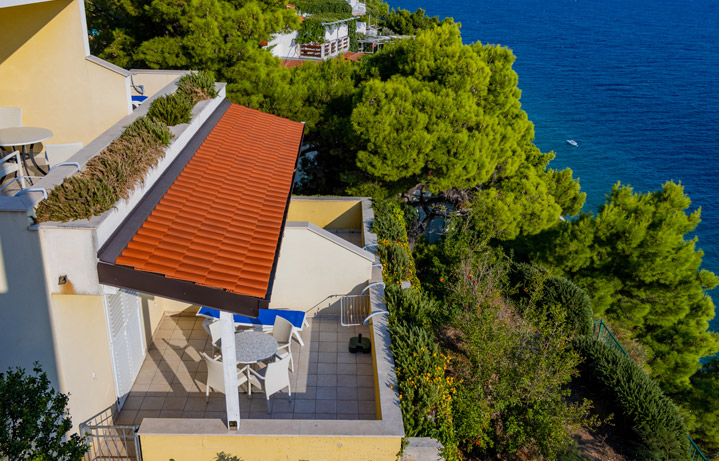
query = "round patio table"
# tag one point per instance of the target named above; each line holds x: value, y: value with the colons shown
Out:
x: 252, y: 347
x: 26, y: 137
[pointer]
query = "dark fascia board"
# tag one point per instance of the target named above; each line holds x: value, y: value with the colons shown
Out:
x: 284, y: 221
x: 147, y: 282
x: 180, y: 290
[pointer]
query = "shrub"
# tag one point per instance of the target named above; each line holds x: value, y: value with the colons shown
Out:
x: 642, y: 410
x: 553, y: 291
x: 171, y: 109
x: 108, y: 176
x: 197, y: 86
x: 397, y: 262
x: 410, y: 306
x: 424, y: 389
x: 323, y: 6
x: 389, y: 221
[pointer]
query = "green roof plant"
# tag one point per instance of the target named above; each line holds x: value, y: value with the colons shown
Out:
x: 120, y: 167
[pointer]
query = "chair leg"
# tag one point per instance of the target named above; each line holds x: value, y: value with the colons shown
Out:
x: 207, y: 393
x: 289, y: 393
x: 269, y: 410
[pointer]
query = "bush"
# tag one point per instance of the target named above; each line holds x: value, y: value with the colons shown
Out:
x: 389, y: 221
x: 197, y: 86
x: 642, y: 410
x: 323, y: 6
x: 171, y: 109
x: 555, y: 291
x: 397, y: 262
x: 425, y: 391
x: 148, y: 128
x: 410, y: 306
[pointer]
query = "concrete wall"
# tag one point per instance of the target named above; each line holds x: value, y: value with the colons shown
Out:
x: 327, y: 212
x: 265, y: 448
x: 154, y: 80
x: 285, y: 45
x: 336, y: 31
x: 27, y: 333
x: 44, y: 70
x: 83, y: 350
x: 315, y: 267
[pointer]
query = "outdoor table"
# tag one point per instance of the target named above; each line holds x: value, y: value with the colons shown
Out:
x: 252, y: 347
x: 26, y: 137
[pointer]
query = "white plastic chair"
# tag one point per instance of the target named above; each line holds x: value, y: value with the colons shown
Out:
x: 10, y: 117
x: 282, y: 332
x: 273, y: 378
x: 213, y: 328
x: 216, y: 376
x: 56, y: 154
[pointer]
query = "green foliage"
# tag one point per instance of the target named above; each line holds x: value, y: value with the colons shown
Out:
x: 323, y: 6
x: 643, y: 274
x: 171, y: 109
x: 197, y: 86
x: 642, y: 410
x: 34, y: 419
x: 425, y: 392
x: 403, y: 22
x: 389, y: 221
x: 410, y: 306
x: 312, y: 29
x: 108, y: 176
x: 556, y: 292
x: 700, y: 407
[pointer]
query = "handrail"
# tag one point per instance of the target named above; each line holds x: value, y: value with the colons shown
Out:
x: 610, y: 340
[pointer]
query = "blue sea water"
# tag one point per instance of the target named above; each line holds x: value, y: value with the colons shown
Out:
x: 635, y: 83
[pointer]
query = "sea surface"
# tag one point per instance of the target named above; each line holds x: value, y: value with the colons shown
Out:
x: 634, y: 83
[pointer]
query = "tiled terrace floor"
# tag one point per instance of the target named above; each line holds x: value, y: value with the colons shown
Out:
x: 328, y: 381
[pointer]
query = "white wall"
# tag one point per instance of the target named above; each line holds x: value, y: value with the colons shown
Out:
x: 336, y: 31
x: 313, y: 270
x: 285, y: 45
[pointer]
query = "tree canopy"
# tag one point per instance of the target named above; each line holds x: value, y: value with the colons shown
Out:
x: 634, y: 259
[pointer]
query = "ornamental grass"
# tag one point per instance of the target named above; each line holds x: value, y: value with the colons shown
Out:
x: 113, y: 173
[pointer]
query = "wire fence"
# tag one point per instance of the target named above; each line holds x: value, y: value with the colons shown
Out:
x: 602, y: 333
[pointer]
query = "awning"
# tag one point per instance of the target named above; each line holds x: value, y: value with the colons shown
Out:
x: 209, y: 231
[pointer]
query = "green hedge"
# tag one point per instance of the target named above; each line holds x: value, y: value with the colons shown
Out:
x: 573, y: 300
x: 410, y: 306
x: 322, y: 6
x: 312, y: 30
x: 641, y: 409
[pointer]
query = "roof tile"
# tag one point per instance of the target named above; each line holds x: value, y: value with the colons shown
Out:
x: 219, y: 223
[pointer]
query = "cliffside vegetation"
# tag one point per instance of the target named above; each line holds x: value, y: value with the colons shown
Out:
x: 436, y: 126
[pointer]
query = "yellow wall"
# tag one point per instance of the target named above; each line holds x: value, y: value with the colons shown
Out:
x: 327, y: 214
x: 154, y: 80
x: 43, y: 70
x: 83, y: 350
x: 266, y: 448
x: 312, y: 271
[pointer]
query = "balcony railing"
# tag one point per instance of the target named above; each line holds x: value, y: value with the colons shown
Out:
x: 326, y: 50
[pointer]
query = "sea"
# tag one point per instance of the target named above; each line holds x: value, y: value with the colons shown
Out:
x: 634, y: 83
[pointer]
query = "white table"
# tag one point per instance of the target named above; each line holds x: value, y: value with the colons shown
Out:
x: 26, y: 137
x: 252, y: 347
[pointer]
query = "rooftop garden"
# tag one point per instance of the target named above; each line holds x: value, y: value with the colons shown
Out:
x: 120, y: 167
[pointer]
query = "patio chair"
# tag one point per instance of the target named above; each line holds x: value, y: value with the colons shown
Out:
x: 9, y: 164
x: 273, y: 378
x: 56, y: 154
x: 213, y: 328
x: 216, y: 376
x: 282, y: 332
x: 10, y: 117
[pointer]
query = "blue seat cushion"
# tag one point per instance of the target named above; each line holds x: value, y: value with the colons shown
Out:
x: 266, y: 317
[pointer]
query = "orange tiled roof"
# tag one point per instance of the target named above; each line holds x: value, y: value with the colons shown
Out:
x: 219, y: 223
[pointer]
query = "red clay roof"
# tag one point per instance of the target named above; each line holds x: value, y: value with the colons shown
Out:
x: 219, y: 223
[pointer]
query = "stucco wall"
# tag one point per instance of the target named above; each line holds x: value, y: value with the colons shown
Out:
x: 326, y: 213
x: 24, y: 314
x: 313, y: 270
x: 265, y: 448
x: 44, y: 70
x: 84, y: 354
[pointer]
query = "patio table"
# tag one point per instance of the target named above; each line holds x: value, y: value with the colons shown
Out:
x: 252, y: 347
x: 26, y: 137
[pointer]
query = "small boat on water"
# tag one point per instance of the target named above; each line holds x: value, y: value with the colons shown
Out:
x: 572, y: 142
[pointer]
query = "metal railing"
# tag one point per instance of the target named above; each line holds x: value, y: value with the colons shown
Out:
x: 602, y: 333
x: 354, y: 309
x: 108, y: 441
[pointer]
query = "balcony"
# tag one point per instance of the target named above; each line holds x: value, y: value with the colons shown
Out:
x: 326, y: 50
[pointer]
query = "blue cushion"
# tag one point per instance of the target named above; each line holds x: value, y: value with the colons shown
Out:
x: 266, y: 317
